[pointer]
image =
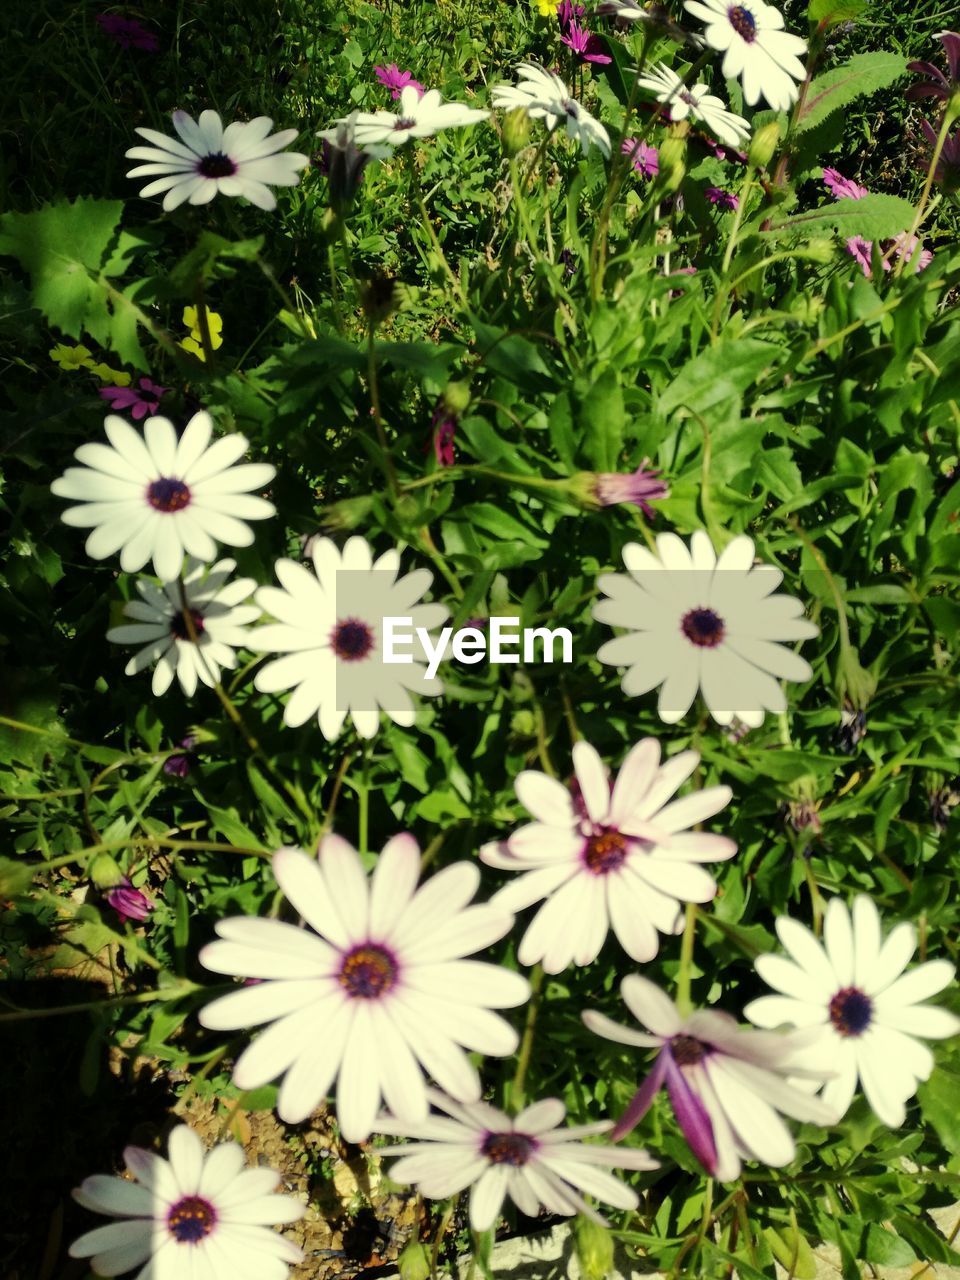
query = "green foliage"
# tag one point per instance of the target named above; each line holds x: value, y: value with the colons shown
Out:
x: 863, y: 75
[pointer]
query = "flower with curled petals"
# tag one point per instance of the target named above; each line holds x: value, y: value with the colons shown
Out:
x: 419, y: 114
x: 529, y: 1158
x: 695, y: 101
x: 726, y: 1083
x: 193, y: 1214
x: 207, y: 159
x: 375, y: 993
x: 607, y: 857
x: 330, y: 631
x: 864, y: 1010
x: 544, y: 96
x: 699, y: 621
x: 154, y: 495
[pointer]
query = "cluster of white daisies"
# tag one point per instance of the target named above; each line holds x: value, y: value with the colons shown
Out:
x: 246, y: 159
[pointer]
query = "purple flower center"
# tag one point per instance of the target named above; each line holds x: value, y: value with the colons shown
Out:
x: 508, y: 1148
x: 179, y: 628
x: 687, y: 1051
x: 217, y: 165
x: 168, y: 495
x: 605, y: 852
x: 404, y: 124
x: 367, y: 972
x: 703, y: 628
x: 351, y: 640
x: 851, y: 1011
x: 190, y: 1219
x: 743, y: 23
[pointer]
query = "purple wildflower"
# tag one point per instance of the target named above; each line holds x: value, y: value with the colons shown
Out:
x: 569, y: 261
x: 128, y: 33
x: 722, y: 199
x: 178, y: 766
x: 444, y: 431
x: 640, y: 488
x: 842, y: 188
x: 907, y: 246
x: 139, y: 400
x: 947, y: 171
x: 567, y: 13
x: 392, y: 78
x: 587, y: 47
x: 862, y: 251
x: 643, y: 157
x: 129, y: 903
x: 937, y: 85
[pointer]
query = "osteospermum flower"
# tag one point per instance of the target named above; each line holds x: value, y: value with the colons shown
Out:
x: 418, y: 115
x: 938, y: 85
x: 157, y: 496
x: 756, y: 48
x: 545, y: 97
x: 128, y: 33
x: 529, y: 1158
x: 720, y: 198
x: 392, y: 78
x: 697, y: 621
x: 140, y: 400
x: 218, y: 616
x: 607, y: 857
x: 842, y: 188
x: 375, y: 993
x: 866, y: 1010
x: 207, y: 159
x: 129, y: 903
x: 695, y: 101
x: 644, y: 159
x: 193, y: 1214
x: 586, y: 46
x: 636, y: 488
x: 330, y: 630
x: 726, y: 1083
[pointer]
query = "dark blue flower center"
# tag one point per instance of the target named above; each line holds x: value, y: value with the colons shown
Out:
x: 687, y: 1051
x: 743, y: 23
x: 508, y: 1148
x: 217, y: 165
x: 179, y: 628
x: 851, y: 1012
x: 351, y: 640
x: 703, y: 628
x: 368, y: 971
x: 168, y: 495
x: 605, y: 851
x: 191, y: 1219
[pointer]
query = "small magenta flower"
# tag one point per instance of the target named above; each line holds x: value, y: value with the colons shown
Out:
x: 587, y: 47
x: 722, y: 199
x: 568, y: 13
x: 947, y: 170
x: 444, y: 432
x: 937, y: 85
x: 639, y: 488
x: 129, y: 903
x: 178, y: 766
x: 139, y: 400
x: 128, y: 33
x: 842, y: 188
x: 909, y: 248
x: 643, y: 157
x: 392, y: 78
x: 862, y: 251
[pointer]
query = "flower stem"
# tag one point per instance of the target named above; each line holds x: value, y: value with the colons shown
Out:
x: 526, y: 1044
x: 684, y: 1003
x: 925, y: 193
x: 374, y: 388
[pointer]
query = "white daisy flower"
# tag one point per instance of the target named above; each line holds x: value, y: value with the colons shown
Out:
x: 865, y: 1010
x: 695, y: 101
x: 157, y: 496
x: 197, y: 1214
x: 755, y: 46
x: 330, y: 629
x: 609, y: 857
x: 219, y: 619
x: 725, y: 1083
x: 375, y: 993
x: 545, y: 97
x: 699, y: 621
x: 415, y: 117
x: 239, y: 160
x: 529, y: 1158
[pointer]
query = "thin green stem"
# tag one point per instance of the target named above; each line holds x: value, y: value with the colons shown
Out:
x: 526, y: 1044
x: 684, y: 1003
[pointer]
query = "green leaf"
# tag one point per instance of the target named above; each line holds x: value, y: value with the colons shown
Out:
x: 873, y: 217
x: 718, y: 374
x: 938, y: 1102
x: 885, y: 1249
x: 864, y: 74
x: 601, y: 421
x: 828, y: 13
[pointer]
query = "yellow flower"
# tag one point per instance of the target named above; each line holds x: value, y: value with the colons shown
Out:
x: 72, y: 358
x: 546, y: 8
x: 114, y: 377
x: 194, y: 343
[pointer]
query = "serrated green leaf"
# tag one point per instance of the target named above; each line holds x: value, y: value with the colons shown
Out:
x: 865, y: 73
x: 873, y: 217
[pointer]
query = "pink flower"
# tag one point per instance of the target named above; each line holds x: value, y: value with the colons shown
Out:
x: 638, y: 487
x: 937, y: 85
x: 567, y: 13
x: 445, y: 426
x: 843, y: 188
x: 644, y: 158
x: 722, y: 199
x: 906, y: 246
x: 947, y: 172
x: 129, y: 903
x: 392, y: 78
x: 862, y: 251
x: 127, y: 32
x: 140, y: 401
x: 587, y: 47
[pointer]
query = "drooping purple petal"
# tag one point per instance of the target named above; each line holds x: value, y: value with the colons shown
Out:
x: 641, y: 1101
x: 691, y: 1115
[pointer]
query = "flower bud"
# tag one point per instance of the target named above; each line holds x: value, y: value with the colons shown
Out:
x: 763, y: 146
x: 456, y: 397
x: 672, y: 158
x: 516, y: 131
x: 349, y: 513
x: 594, y: 1245
x: 414, y: 1262
x: 818, y: 251
x: 104, y: 872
